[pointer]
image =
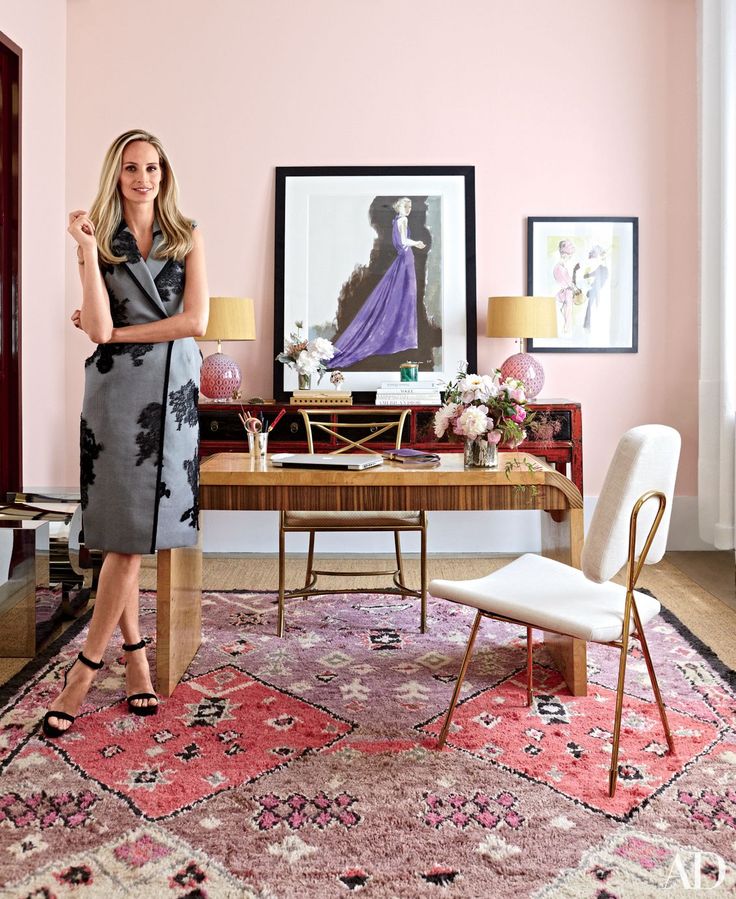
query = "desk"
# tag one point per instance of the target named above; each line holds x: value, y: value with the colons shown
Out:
x: 234, y: 481
x: 556, y: 434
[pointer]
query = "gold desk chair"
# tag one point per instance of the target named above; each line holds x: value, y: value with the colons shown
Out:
x: 352, y: 430
x: 542, y: 593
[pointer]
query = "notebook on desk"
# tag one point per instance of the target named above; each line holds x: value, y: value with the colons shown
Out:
x: 342, y: 462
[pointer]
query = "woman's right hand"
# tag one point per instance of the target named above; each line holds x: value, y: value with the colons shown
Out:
x: 82, y: 229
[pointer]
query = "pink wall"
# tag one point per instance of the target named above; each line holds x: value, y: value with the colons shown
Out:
x: 39, y: 27
x: 565, y: 108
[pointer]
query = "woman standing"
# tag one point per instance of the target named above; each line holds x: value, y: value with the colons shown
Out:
x: 387, y: 321
x: 144, y: 299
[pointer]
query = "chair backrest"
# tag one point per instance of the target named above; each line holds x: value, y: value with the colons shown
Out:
x: 351, y: 430
x: 645, y: 459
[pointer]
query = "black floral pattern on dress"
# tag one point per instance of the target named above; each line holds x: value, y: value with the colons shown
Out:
x: 170, y: 281
x: 191, y: 466
x: 183, y: 404
x: 148, y: 438
x: 124, y: 245
x: 163, y: 490
x: 104, y: 356
x: 89, y: 450
x: 118, y: 310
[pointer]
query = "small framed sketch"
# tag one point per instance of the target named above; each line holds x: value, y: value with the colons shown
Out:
x: 590, y: 266
x: 380, y: 261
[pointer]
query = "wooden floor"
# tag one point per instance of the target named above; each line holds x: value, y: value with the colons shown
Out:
x: 697, y: 587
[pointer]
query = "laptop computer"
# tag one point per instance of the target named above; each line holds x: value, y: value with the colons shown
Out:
x: 342, y: 462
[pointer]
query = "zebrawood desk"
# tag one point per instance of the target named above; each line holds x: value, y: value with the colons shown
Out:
x: 234, y: 481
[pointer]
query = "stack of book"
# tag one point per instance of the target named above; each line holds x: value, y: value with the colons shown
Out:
x: 410, y: 456
x: 406, y: 393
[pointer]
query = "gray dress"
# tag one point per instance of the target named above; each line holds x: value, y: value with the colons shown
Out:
x: 139, y: 445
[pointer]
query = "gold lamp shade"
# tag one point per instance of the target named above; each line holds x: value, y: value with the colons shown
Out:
x: 231, y: 318
x: 522, y: 317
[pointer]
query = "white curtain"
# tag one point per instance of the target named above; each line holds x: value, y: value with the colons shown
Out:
x: 717, y: 385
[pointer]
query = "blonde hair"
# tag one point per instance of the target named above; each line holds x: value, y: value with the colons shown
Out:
x: 107, y: 209
x: 400, y: 202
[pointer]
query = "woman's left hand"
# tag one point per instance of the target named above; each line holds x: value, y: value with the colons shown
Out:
x: 77, y: 318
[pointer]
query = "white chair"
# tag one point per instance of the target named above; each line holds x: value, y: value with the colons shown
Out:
x: 542, y: 593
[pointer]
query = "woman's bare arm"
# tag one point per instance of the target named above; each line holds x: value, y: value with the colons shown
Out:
x: 94, y: 318
x: 191, y: 321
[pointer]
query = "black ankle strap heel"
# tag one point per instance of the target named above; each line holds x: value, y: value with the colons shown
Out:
x: 51, y: 730
x: 133, y: 708
x: 95, y: 666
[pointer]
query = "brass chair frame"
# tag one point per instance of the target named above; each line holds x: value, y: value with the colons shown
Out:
x: 633, y: 570
x: 340, y: 430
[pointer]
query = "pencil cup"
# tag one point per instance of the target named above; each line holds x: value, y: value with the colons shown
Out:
x: 258, y: 443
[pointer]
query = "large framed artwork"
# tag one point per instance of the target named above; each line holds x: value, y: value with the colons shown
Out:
x: 380, y: 261
x: 590, y: 265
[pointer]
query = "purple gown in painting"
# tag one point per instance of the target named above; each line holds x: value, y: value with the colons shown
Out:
x: 387, y: 321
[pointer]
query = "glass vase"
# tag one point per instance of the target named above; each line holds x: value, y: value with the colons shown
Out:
x: 479, y: 453
x: 305, y: 381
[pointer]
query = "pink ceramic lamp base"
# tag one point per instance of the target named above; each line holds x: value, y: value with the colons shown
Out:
x: 526, y: 369
x: 220, y: 378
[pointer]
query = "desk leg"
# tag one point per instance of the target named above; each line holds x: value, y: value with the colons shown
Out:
x: 178, y: 614
x: 563, y: 540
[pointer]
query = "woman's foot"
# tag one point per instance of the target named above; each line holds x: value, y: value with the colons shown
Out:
x: 141, y: 698
x: 77, y: 680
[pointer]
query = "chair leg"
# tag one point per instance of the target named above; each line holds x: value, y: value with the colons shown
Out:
x: 529, y: 670
x: 613, y: 773
x: 282, y: 578
x: 310, y: 561
x: 423, y: 574
x: 652, y: 677
x: 399, y: 559
x: 460, y: 678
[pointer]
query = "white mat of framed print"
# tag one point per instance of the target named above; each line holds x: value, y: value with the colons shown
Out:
x: 590, y: 266
x: 381, y: 262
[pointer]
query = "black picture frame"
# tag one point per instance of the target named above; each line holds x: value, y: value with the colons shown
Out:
x: 358, y: 198
x: 598, y: 312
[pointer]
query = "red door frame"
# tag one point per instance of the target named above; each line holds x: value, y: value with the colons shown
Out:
x: 11, y: 440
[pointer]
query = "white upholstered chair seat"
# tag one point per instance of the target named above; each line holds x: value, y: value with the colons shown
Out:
x: 548, y: 595
x: 364, y: 520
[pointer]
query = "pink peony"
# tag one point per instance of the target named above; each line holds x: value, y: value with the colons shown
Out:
x: 519, y: 414
x: 494, y: 436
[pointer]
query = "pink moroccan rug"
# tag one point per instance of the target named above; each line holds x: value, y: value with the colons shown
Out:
x: 307, y: 767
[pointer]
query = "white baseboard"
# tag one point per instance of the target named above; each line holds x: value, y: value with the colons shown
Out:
x: 449, y: 532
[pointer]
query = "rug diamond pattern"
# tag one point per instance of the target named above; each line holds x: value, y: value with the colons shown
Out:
x: 308, y: 766
x: 565, y: 742
x: 219, y: 730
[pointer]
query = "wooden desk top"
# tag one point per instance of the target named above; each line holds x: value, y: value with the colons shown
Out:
x: 237, y: 481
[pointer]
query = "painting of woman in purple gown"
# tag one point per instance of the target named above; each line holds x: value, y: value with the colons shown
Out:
x: 379, y: 324
x: 380, y: 261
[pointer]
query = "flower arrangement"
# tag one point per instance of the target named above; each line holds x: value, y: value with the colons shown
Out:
x: 306, y: 357
x: 478, y: 406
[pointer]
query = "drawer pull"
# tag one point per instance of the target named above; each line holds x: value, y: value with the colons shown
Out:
x: 294, y: 427
x: 214, y: 426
